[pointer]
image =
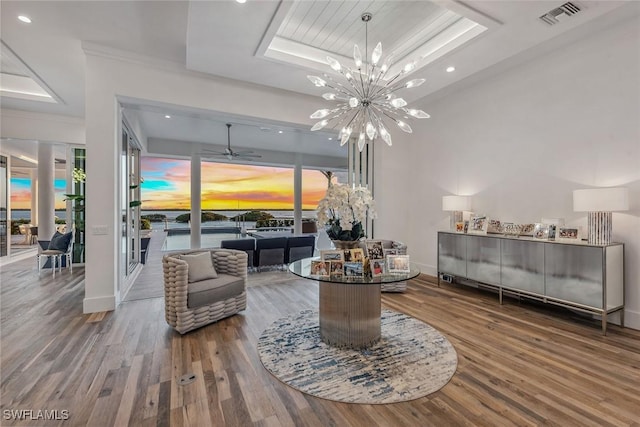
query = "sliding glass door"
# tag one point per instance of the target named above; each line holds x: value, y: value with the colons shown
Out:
x: 129, y: 201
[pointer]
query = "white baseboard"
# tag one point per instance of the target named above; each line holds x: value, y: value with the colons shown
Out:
x: 632, y: 319
x: 99, y: 304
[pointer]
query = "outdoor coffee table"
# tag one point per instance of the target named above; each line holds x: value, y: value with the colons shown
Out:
x: 349, y: 307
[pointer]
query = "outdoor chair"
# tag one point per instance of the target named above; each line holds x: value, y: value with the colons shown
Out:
x: 270, y: 251
x: 203, y: 286
x: 299, y: 247
x: 58, y: 249
x: 33, y: 233
x: 144, y: 249
x: 246, y: 245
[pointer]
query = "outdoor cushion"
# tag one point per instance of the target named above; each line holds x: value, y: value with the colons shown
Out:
x: 200, y: 267
x: 60, y: 242
x: 206, y: 292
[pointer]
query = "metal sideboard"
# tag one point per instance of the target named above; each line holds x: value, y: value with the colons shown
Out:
x: 579, y: 276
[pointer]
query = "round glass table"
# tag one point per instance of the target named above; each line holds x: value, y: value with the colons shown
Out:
x: 349, y: 306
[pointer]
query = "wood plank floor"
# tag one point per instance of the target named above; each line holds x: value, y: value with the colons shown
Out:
x: 519, y: 364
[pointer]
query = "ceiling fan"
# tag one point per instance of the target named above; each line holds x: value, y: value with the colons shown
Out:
x: 229, y: 153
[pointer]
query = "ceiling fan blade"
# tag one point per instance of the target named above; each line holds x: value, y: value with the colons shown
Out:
x: 246, y: 156
x: 215, y: 152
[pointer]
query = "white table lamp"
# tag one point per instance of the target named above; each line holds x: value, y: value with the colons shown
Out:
x: 456, y: 204
x: 600, y: 203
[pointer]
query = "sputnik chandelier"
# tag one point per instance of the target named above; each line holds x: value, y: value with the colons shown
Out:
x: 367, y: 98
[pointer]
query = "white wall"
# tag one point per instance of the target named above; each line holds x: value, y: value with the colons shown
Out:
x: 520, y: 142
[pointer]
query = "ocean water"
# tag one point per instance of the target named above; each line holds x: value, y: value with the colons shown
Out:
x: 26, y: 214
x: 171, y: 215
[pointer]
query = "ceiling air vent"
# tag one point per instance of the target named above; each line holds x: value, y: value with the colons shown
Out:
x: 556, y: 15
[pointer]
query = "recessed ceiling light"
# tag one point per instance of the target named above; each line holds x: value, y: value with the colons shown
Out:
x: 167, y: 116
x: 241, y: 1
x: 330, y: 139
x: 451, y: 69
x: 279, y: 131
x: 25, y: 19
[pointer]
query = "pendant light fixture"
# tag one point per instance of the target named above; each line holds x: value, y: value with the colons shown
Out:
x: 367, y: 101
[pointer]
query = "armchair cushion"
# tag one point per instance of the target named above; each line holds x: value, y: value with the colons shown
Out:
x: 200, y: 267
x: 60, y: 242
x: 210, y: 291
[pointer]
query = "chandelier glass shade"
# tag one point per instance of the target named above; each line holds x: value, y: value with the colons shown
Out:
x: 367, y: 99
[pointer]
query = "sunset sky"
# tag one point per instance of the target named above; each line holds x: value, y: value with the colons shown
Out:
x: 21, y: 193
x: 225, y: 186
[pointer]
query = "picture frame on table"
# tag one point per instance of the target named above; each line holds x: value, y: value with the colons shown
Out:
x: 460, y: 227
x: 357, y: 255
x: 374, y: 249
x: 320, y: 268
x: 552, y: 231
x: 336, y: 268
x: 377, y: 267
x: 568, y: 234
x: 398, y: 264
x: 541, y: 231
x: 353, y: 269
x: 391, y: 251
x: 332, y: 255
x: 478, y: 225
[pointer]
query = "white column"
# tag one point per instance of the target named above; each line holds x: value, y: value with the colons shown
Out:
x: 297, y: 195
x: 103, y: 238
x: 46, y: 194
x: 196, y: 204
x: 34, y: 196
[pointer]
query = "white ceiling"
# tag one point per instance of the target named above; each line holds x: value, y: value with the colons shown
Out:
x: 228, y: 39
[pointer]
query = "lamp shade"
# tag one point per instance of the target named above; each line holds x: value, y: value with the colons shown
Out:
x: 456, y: 203
x: 601, y: 199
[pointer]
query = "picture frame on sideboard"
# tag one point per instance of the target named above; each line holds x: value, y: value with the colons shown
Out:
x: 478, y: 225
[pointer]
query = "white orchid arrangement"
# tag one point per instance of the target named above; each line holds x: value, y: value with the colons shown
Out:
x: 343, y: 210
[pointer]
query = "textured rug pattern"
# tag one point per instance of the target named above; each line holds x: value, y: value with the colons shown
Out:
x: 411, y: 360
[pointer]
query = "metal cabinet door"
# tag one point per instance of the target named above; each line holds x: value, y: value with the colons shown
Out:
x: 452, y: 254
x: 483, y: 259
x: 573, y: 273
x: 523, y: 265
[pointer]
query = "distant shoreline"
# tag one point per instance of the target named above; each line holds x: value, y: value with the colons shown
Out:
x: 224, y: 210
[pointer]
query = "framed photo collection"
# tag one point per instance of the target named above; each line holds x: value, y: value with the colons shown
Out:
x: 398, y: 264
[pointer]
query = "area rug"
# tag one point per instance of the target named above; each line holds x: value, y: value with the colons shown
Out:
x: 411, y: 360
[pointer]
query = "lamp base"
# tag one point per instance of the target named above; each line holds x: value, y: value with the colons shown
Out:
x: 599, y: 226
x: 456, y: 216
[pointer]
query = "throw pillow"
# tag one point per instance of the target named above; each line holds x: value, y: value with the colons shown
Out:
x: 60, y: 242
x: 200, y: 267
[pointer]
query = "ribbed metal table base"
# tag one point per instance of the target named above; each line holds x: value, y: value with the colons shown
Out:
x: 349, y: 314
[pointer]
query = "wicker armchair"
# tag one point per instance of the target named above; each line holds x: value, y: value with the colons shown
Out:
x: 191, y: 305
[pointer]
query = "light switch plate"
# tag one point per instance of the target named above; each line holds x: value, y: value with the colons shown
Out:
x: 100, y: 230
